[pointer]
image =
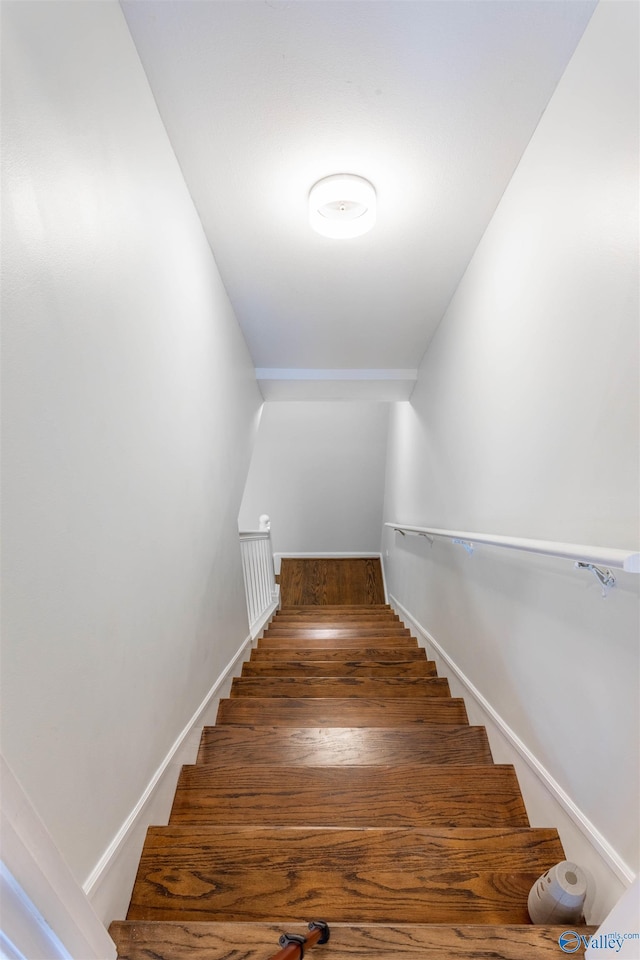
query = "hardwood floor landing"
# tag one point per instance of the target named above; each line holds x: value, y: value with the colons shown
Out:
x: 325, y: 581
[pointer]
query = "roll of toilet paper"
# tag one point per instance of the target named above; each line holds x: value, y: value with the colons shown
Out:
x: 558, y: 896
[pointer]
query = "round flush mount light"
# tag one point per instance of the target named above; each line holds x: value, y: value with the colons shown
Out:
x: 342, y: 206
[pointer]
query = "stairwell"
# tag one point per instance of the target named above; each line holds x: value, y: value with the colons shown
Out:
x: 342, y: 782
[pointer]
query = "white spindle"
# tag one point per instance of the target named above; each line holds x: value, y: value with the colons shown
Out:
x: 259, y: 576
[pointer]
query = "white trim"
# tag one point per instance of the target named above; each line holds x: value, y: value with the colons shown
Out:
x: 384, y: 580
x: 291, y: 373
x: 613, y: 860
x: 628, y: 560
x: 319, y: 555
x: 135, y: 820
x: 264, y: 618
x: 25, y: 932
x: 38, y: 867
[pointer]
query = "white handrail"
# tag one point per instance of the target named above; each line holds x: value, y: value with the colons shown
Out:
x: 628, y: 560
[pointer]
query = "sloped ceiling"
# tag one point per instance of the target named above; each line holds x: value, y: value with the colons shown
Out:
x: 433, y: 101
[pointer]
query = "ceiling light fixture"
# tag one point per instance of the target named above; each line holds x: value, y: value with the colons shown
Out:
x: 342, y: 206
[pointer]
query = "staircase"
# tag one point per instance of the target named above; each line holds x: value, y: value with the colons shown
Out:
x: 342, y: 782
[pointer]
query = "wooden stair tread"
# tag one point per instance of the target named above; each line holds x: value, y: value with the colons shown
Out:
x: 335, y: 613
x: 379, y: 654
x: 325, y: 607
x: 352, y: 616
x: 232, y: 747
x: 313, y: 631
x: 400, y: 687
x: 384, y: 875
x: 334, y: 796
x: 322, y: 643
x: 344, y: 668
x: 143, y: 940
x: 341, y: 712
x: 382, y: 624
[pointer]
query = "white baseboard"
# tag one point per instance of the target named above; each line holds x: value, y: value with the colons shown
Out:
x: 277, y: 557
x: 110, y: 883
x: 504, y: 741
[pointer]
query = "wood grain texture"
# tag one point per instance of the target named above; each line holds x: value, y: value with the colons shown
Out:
x: 305, y: 615
x: 231, y: 747
x: 378, y: 654
x: 335, y: 796
x: 315, y: 631
x: 378, y: 875
x: 333, y: 608
x: 295, y: 642
x: 339, y: 668
x: 333, y: 623
x: 337, y: 712
x: 386, y: 687
x: 143, y: 940
x: 341, y: 781
x: 327, y: 581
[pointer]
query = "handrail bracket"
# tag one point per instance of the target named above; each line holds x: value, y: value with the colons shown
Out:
x: 465, y: 544
x: 603, y: 575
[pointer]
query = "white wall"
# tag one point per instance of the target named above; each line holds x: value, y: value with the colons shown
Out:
x: 318, y: 472
x: 130, y: 406
x: 524, y: 422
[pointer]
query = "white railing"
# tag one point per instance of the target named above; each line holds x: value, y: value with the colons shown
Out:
x: 587, y: 557
x: 259, y: 577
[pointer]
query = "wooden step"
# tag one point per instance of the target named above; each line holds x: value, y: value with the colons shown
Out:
x: 143, y: 940
x: 346, y: 712
x: 315, y: 687
x: 315, y: 632
x: 341, y: 643
x: 321, y: 608
x: 380, y: 654
x: 396, y: 875
x: 381, y: 628
x: 342, y: 610
x: 305, y: 619
x: 333, y: 796
x: 340, y: 668
x: 231, y: 747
